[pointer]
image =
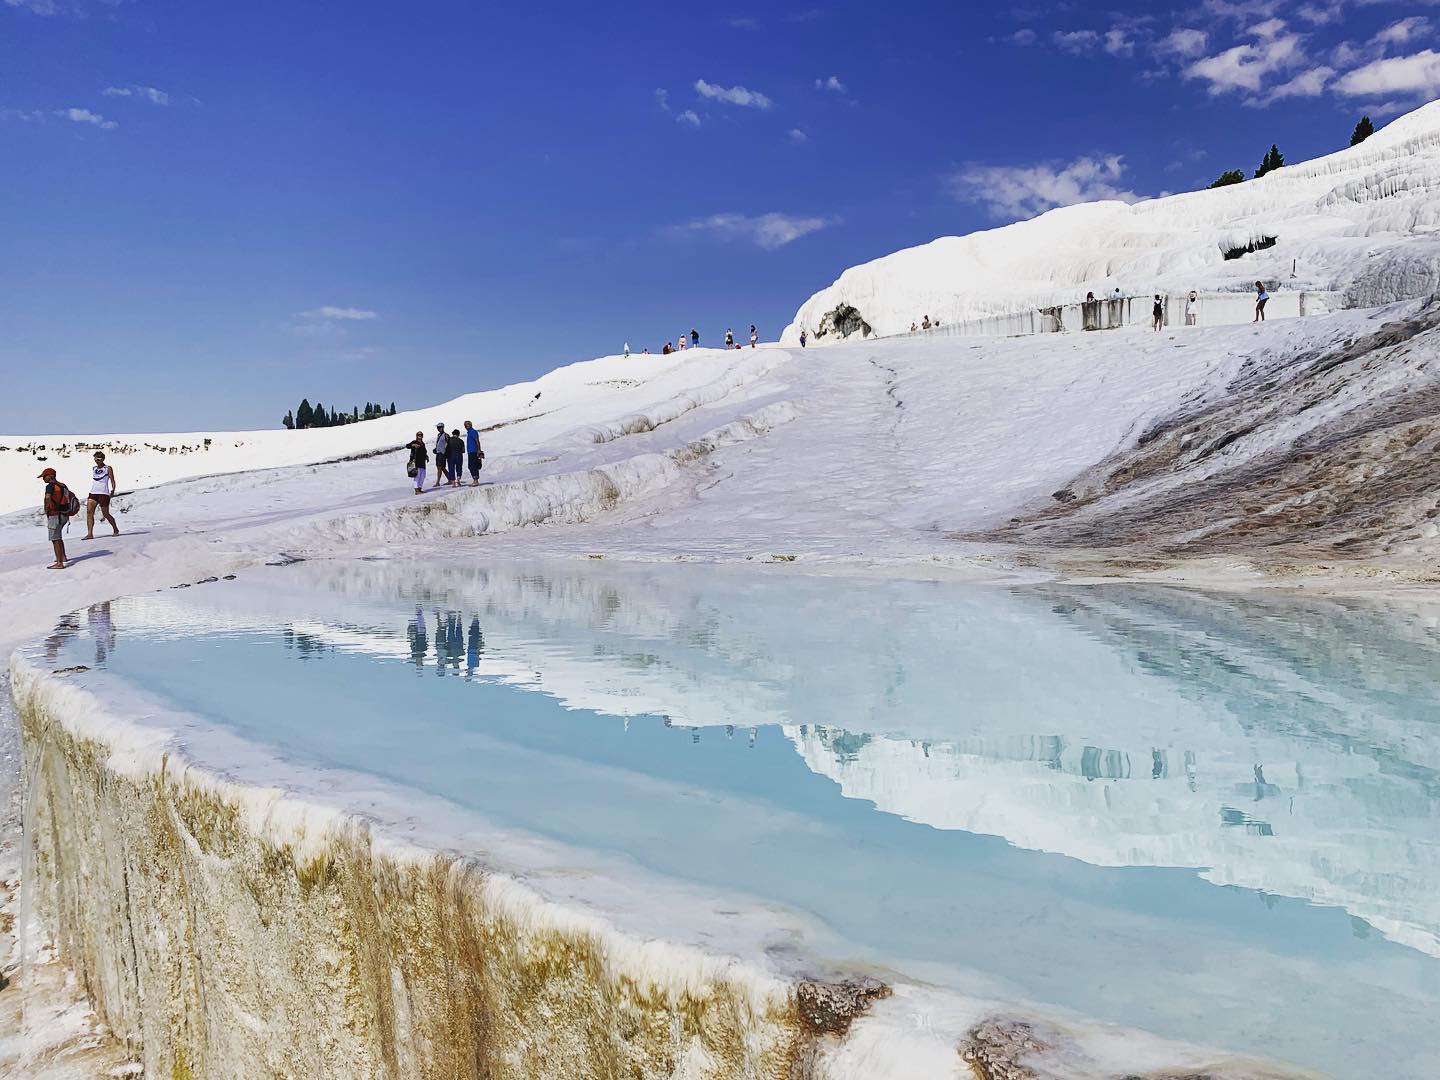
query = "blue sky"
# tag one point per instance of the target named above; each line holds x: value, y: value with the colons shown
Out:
x: 210, y: 210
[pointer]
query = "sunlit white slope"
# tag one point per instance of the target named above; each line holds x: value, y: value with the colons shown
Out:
x: 1365, y: 220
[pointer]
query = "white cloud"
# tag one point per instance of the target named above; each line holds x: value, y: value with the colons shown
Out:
x: 1118, y: 42
x: 35, y: 7
x: 333, y: 313
x: 1418, y: 74
x: 743, y: 22
x: 1309, y: 83
x: 689, y: 117
x: 1023, y: 36
x: 1009, y: 191
x: 733, y: 95
x: 832, y: 83
x: 85, y: 116
x: 662, y: 98
x: 25, y: 116
x: 1403, y: 31
x: 146, y: 93
x: 1320, y: 14
x: 797, y: 136
x: 767, y: 231
x: 1076, y: 41
x: 1186, y: 42
x: 1244, y: 67
x: 1270, y: 28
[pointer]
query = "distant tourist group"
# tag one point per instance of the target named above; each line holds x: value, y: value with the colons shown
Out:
x: 1158, y: 308
x: 61, y: 504
x: 693, y: 338
x: 452, y: 452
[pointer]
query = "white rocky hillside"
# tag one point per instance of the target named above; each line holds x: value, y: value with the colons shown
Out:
x: 1363, y: 222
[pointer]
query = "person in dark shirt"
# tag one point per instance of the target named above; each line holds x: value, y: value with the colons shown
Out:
x: 57, y: 515
x: 419, y: 458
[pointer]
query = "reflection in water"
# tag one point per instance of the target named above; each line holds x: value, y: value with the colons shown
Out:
x: 1282, y: 746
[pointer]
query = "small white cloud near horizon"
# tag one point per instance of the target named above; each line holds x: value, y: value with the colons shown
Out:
x: 689, y: 116
x: 1417, y: 75
x: 732, y: 95
x: 765, y: 231
x: 833, y: 84
x: 342, y: 314
x: 85, y: 116
x: 152, y: 94
x: 1023, y: 191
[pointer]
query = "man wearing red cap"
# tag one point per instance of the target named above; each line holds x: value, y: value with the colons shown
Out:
x: 57, y: 503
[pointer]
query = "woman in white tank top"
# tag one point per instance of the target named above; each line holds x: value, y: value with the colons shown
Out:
x: 102, y: 486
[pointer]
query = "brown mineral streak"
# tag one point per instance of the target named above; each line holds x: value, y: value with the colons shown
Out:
x: 214, y: 950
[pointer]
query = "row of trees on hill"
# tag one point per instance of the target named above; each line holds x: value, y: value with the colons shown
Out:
x: 310, y: 416
x: 1273, y: 159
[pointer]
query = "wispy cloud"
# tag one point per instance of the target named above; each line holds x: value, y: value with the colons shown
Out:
x: 1009, y: 191
x: 1023, y: 36
x: 1245, y: 66
x: 732, y: 95
x: 1118, y: 42
x: 766, y: 231
x: 144, y: 93
x: 743, y: 22
x: 1185, y: 41
x: 1076, y: 41
x: 1309, y: 83
x: 333, y: 313
x: 689, y: 117
x: 85, y: 116
x: 35, y: 7
x: 797, y: 136
x: 1403, y: 31
x: 832, y: 84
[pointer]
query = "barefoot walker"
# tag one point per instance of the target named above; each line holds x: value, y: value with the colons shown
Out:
x: 61, y: 504
x: 102, y: 487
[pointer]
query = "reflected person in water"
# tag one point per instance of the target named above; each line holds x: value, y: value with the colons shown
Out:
x: 419, y: 644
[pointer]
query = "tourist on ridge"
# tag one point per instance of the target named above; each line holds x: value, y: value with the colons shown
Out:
x: 419, y: 458
x: 627, y: 350
x: 60, y: 506
x: 753, y: 335
x: 1157, y: 313
x: 694, y: 338
x: 442, y: 446
x: 667, y: 350
x: 913, y: 326
x: 102, y: 487
x: 729, y: 338
x: 454, y: 456
x: 1192, y: 308
x: 474, y: 456
x: 1260, y: 297
x: 802, y: 338
x: 681, y: 346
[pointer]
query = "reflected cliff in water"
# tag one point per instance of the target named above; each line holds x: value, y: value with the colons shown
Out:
x: 1173, y: 777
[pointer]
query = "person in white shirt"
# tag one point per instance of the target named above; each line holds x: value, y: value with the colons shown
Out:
x: 102, y: 487
x: 1192, y: 308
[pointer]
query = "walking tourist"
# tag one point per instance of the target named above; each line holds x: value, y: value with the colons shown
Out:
x: 474, y: 456
x: 753, y: 335
x: 61, y: 505
x: 694, y: 338
x: 1192, y: 308
x: 1261, y: 296
x: 803, y: 335
x: 102, y: 487
x: 442, y: 447
x: 419, y: 458
x: 1157, y: 314
x: 729, y: 338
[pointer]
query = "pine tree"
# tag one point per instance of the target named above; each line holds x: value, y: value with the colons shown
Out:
x: 354, y: 413
x: 289, y: 421
x: 392, y: 408
x: 1228, y: 177
x: 322, y: 418
x: 304, y: 415
x: 1270, y: 162
x: 1363, y: 130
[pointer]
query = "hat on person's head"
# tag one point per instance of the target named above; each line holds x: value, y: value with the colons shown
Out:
x: 46, y: 474
x: 441, y: 425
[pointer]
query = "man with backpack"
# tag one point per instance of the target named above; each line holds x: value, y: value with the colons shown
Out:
x: 442, y: 454
x: 61, y: 504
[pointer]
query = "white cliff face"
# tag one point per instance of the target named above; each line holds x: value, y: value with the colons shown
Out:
x: 1362, y: 221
